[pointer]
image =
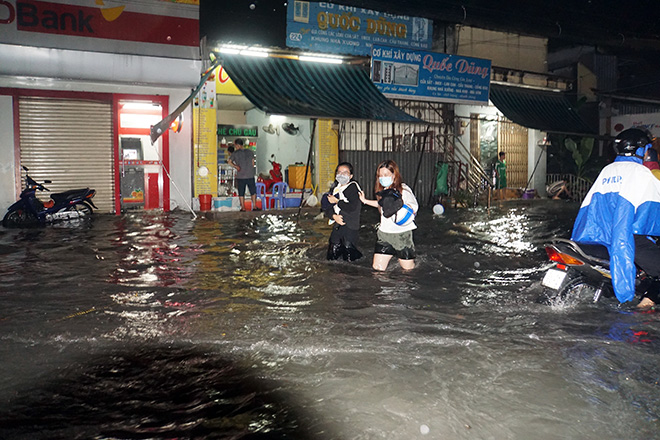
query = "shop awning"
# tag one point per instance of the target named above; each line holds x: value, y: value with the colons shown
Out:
x: 285, y: 86
x: 538, y: 109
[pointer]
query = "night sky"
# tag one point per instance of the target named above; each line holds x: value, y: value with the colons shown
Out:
x: 628, y: 29
x: 617, y: 24
x: 238, y: 22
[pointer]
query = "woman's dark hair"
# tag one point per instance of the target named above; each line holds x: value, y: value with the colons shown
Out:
x: 344, y: 164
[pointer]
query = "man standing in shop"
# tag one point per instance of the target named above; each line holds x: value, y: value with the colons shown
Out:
x: 242, y: 159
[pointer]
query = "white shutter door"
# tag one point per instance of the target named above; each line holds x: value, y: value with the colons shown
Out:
x: 69, y: 141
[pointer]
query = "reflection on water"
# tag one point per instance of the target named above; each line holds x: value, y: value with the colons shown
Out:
x: 160, y: 326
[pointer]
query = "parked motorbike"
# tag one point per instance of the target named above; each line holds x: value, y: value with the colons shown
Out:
x: 582, y: 272
x: 274, y: 177
x: 30, y: 211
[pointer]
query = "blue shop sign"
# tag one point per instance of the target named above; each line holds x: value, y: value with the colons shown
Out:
x: 330, y: 28
x: 430, y: 76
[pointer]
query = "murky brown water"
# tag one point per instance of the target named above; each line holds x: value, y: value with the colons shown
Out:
x: 160, y: 326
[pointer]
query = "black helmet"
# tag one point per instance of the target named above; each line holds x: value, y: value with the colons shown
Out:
x: 633, y: 142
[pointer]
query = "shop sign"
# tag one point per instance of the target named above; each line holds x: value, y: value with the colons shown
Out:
x: 432, y: 76
x: 205, y: 152
x: 330, y: 28
x: 238, y: 130
x: 161, y: 28
x: 649, y: 121
x: 223, y: 83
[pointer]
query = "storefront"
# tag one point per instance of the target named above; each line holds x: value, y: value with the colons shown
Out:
x: 80, y: 102
x: 289, y: 106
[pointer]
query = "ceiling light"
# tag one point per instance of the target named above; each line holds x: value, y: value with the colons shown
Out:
x: 229, y: 50
x: 254, y: 53
x: 318, y: 59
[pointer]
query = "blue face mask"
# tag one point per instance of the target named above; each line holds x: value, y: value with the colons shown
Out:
x: 386, y: 181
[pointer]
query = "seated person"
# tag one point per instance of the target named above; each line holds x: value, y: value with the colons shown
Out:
x: 558, y: 190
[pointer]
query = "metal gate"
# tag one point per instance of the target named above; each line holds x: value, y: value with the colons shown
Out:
x: 513, y: 139
x: 365, y: 163
x: 70, y: 142
x: 416, y: 148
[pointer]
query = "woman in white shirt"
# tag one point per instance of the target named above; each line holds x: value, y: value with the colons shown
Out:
x: 398, y: 206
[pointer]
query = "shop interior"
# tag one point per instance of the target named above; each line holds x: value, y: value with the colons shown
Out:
x: 281, y: 146
x: 140, y: 170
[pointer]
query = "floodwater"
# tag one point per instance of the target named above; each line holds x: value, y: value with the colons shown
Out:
x: 159, y: 326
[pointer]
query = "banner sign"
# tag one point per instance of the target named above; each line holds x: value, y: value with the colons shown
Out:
x: 328, y: 154
x: 205, y: 152
x: 650, y: 121
x: 330, y: 28
x: 432, y: 76
x: 147, y: 27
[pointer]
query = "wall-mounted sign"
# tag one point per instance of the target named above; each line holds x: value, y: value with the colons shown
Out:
x: 206, y: 96
x: 327, y: 27
x: 238, y: 130
x: 205, y: 152
x: 650, y: 121
x: 147, y: 27
x: 433, y: 76
x: 223, y: 83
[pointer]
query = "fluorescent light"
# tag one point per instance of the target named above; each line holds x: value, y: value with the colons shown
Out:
x: 254, y: 53
x: 317, y: 59
x: 229, y: 50
x: 140, y: 106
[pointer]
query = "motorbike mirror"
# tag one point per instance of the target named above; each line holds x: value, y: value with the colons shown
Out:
x: 48, y: 181
x: 25, y: 168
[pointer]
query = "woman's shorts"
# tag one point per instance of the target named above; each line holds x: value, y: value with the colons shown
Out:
x: 400, y: 244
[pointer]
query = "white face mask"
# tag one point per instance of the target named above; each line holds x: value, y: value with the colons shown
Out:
x: 386, y: 181
x: 342, y: 179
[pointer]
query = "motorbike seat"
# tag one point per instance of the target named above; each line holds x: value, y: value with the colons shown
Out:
x: 69, y: 195
x: 595, y: 250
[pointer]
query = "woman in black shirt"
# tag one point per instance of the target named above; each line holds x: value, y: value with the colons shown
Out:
x: 342, y: 206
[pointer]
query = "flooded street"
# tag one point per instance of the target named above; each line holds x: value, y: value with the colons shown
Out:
x: 236, y: 327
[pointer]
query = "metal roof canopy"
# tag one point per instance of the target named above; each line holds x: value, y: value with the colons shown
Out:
x: 285, y: 86
x: 539, y: 109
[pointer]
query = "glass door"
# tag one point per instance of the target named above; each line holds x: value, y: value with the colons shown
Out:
x: 140, y: 163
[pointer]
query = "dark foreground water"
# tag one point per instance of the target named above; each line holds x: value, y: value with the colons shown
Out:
x: 160, y: 326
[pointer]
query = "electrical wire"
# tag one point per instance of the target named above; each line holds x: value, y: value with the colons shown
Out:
x: 160, y: 159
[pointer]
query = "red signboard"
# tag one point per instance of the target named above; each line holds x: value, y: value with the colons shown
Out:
x: 34, y: 22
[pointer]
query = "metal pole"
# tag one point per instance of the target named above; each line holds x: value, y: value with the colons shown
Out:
x: 533, y: 171
x: 421, y: 154
x: 309, y: 159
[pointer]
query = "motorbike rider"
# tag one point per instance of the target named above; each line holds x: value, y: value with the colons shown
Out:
x: 622, y: 212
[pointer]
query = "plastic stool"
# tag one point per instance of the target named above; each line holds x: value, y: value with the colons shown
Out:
x: 261, y: 195
x: 279, y: 191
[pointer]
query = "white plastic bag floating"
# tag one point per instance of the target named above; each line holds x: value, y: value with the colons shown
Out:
x: 438, y: 209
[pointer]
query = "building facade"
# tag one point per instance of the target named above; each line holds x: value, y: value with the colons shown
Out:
x: 81, y: 83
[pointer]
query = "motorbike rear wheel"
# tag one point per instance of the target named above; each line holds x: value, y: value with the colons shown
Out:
x: 82, y: 208
x: 19, y: 219
x: 577, y: 290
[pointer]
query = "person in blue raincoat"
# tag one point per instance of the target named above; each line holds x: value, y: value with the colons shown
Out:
x: 622, y: 212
